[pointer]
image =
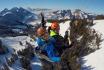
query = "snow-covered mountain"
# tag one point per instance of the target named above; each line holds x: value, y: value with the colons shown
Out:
x: 53, y: 14
x: 15, y: 18
x: 62, y: 14
x: 83, y: 15
x: 16, y: 14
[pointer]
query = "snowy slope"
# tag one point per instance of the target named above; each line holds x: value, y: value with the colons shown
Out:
x: 95, y: 61
x: 14, y: 42
x: 64, y: 27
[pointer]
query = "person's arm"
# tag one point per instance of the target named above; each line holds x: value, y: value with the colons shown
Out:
x: 43, y: 22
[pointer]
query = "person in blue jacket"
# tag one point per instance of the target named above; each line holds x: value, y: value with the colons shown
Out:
x: 60, y: 42
x: 45, y: 43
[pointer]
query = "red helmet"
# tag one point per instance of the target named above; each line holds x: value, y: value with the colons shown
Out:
x: 54, y: 25
x: 41, y: 31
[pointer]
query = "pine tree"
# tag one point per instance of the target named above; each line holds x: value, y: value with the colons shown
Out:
x: 82, y: 37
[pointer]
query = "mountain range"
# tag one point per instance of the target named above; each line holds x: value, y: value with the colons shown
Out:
x: 17, y: 20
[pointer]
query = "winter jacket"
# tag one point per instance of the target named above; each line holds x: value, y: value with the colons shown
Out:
x: 52, y: 33
x: 49, y: 48
x: 58, y: 41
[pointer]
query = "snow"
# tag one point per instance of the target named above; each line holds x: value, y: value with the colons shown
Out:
x: 33, y: 23
x: 64, y: 27
x: 13, y: 42
x: 6, y: 13
x: 36, y: 64
x: 95, y: 60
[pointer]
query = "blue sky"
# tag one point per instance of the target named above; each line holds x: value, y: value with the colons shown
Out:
x: 93, y: 6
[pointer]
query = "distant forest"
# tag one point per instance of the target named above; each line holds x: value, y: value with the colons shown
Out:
x: 98, y: 17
